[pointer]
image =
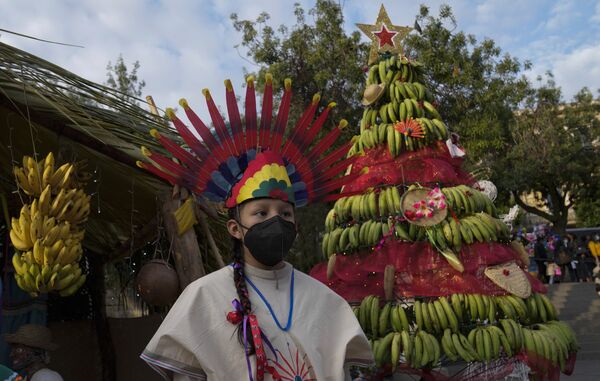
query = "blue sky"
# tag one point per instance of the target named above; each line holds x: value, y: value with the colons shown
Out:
x: 184, y: 45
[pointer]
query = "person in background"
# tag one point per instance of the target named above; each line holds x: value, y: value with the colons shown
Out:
x: 540, y: 255
x: 564, y: 258
x: 551, y: 271
x: 596, y: 276
x: 583, y: 272
x: 30, y: 347
x: 594, y: 246
x: 593, y: 252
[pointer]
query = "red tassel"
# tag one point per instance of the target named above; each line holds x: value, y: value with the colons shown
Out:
x: 282, y: 117
x: 215, y: 148
x: 266, y: 114
x: 219, y: 124
x: 250, y: 115
x: 234, y: 118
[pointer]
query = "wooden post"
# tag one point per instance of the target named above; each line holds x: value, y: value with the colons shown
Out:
x: 103, y: 334
x: 186, y: 252
x: 214, y: 250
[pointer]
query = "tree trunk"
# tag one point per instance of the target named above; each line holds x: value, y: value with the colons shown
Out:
x: 558, y: 215
x: 186, y: 252
x: 105, y: 344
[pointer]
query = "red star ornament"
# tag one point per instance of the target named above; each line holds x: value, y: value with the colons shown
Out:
x: 386, y: 37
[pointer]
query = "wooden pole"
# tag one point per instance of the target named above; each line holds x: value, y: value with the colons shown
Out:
x: 214, y: 250
x: 105, y: 343
x: 186, y: 252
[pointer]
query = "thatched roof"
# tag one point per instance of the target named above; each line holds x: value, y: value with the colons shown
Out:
x: 44, y: 107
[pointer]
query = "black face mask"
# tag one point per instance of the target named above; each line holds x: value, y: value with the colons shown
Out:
x: 270, y: 240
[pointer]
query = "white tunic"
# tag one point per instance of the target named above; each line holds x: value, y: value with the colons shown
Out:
x: 195, y: 341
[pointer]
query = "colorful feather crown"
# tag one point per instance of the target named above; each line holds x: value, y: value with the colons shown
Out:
x: 240, y: 162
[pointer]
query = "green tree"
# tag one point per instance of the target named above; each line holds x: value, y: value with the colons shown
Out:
x: 481, y: 92
x: 319, y: 57
x: 588, y: 211
x: 120, y: 78
x: 476, y: 86
x: 554, y: 150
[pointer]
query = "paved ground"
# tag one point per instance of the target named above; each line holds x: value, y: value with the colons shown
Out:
x: 579, y: 305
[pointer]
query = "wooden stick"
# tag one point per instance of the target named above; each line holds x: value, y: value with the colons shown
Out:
x: 214, y: 250
x: 187, y: 254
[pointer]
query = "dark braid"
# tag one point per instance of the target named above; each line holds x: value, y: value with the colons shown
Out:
x: 240, y: 285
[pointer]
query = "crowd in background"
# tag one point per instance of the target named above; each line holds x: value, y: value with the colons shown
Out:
x: 562, y: 258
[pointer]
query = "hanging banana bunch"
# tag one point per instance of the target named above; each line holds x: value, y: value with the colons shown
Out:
x: 47, y: 235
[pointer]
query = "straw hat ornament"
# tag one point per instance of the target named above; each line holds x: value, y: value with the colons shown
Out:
x: 32, y: 335
x: 372, y: 94
x: 510, y: 277
x: 424, y: 206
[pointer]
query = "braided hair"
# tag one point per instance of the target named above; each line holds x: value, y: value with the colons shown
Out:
x: 240, y: 284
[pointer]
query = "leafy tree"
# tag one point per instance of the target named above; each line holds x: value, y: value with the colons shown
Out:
x: 588, y: 212
x: 318, y: 57
x: 554, y: 150
x: 508, y: 126
x: 476, y: 86
x: 120, y: 78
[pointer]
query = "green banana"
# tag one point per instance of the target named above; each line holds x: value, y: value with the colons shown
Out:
x: 375, y: 311
x: 403, y: 318
x: 441, y: 314
x: 448, y: 346
x: 384, y: 319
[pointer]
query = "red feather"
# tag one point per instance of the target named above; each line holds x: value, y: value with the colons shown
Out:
x: 234, y: 118
x: 184, y: 177
x: 267, y: 114
x: 251, y: 137
x: 333, y: 157
x: 189, y: 138
x: 157, y: 172
x: 332, y: 185
x: 327, y: 141
x: 302, y: 124
x: 335, y: 169
x: 219, y: 124
x: 184, y: 156
x: 215, y: 148
x: 307, y: 138
x: 282, y: 117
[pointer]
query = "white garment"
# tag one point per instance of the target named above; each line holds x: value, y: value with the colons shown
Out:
x: 197, y: 341
x: 46, y: 374
x: 454, y: 150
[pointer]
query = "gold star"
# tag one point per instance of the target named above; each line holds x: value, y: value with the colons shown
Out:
x: 385, y: 36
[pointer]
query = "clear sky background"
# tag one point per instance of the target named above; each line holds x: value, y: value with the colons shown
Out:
x: 186, y: 45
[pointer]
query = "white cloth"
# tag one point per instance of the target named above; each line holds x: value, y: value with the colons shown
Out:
x: 197, y: 341
x: 454, y: 150
x: 46, y: 374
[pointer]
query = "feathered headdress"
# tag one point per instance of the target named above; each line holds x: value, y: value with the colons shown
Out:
x: 252, y: 160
